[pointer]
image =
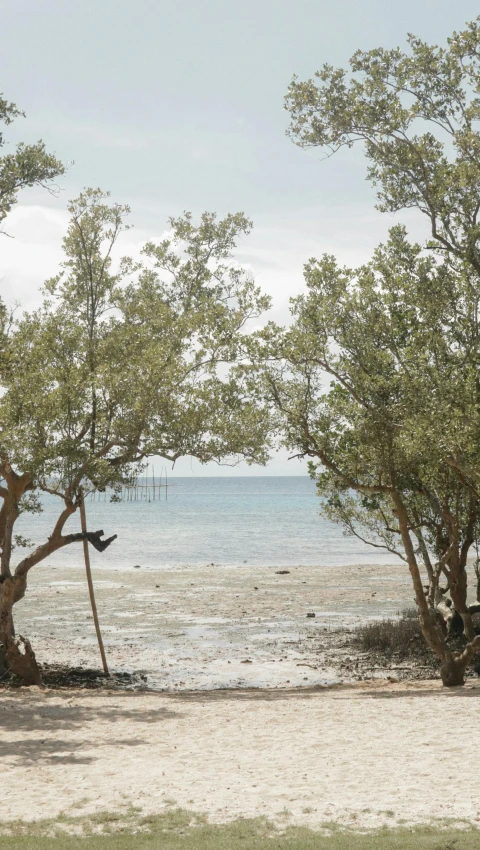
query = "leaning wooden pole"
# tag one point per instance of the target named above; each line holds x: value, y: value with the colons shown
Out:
x: 83, y: 520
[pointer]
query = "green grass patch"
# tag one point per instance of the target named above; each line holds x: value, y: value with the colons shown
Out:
x: 180, y: 830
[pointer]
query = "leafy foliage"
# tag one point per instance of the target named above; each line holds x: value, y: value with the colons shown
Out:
x: 416, y: 114
x: 30, y: 165
x: 123, y: 361
x: 120, y: 365
x: 396, y: 439
x: 398, y: 340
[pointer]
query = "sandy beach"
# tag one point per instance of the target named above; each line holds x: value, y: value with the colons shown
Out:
x: 211, y: 626
x: 359, y: 755
x: 237, y: 715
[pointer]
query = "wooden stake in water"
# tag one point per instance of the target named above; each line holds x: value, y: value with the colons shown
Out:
x: 83, y: 520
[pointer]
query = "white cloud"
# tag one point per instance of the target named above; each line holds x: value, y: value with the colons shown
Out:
x: 100, y: 136
x: 31, y: 252
x: 275, y: 252
x: 278, y: 247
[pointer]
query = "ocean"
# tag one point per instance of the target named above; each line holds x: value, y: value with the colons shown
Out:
x: 230, y: 521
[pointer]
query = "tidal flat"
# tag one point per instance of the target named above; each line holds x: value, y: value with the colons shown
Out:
x: 210, y: 627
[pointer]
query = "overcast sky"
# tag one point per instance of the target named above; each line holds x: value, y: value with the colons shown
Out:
x: 178, y: 106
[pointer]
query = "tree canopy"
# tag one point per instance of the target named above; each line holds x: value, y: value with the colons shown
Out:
x: 396, y: 437
x: 122, y: 361
x: 29, y: 165
x: 416, y: 115
x: 376, y: 380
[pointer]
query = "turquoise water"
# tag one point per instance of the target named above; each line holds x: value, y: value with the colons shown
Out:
x: 268, y: 521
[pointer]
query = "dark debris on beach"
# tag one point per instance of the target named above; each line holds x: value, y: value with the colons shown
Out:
x: 62, y: 677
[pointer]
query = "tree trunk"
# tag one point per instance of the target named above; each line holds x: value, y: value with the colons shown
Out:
x: 477, y: 574
x: 17, y: 655
x: 452, y: 671
x: 452, y: 668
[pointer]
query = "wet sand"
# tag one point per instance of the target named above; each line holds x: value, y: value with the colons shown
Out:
x: 211, y: 626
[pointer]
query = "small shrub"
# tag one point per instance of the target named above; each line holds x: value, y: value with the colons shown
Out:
x: 401, y: 637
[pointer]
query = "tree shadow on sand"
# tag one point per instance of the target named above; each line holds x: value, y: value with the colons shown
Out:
x: 50, y: 711
x: 381, y: 690
x: 30, y: 751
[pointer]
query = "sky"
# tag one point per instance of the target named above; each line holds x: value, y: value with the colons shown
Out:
x: 177, y: 106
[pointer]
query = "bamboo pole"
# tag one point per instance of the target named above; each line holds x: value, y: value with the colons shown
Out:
x: 83, y: 520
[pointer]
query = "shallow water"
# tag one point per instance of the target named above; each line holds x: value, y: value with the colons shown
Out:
x: 260, y: 521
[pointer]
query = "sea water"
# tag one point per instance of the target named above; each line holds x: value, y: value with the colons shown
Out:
x: 230, y: 521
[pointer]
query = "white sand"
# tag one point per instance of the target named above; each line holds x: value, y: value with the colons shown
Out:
x: 365, y: 754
